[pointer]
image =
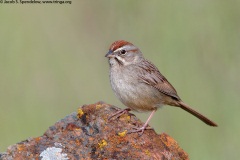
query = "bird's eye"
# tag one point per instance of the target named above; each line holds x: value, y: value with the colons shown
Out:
x: 123, y: 51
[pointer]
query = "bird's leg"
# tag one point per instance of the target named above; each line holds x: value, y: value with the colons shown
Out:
x: 119, y: 113
x: 144, y: 127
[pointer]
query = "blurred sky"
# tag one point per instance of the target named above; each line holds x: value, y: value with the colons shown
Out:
x: 52, y: 61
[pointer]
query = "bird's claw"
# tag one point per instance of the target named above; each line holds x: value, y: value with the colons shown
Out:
x: 119, y: 113
x: 141, y: 130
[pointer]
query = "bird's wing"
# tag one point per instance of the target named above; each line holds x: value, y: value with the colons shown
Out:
x: 150, y: 75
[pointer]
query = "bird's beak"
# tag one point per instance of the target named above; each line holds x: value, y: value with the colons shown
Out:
x: 110, y: 54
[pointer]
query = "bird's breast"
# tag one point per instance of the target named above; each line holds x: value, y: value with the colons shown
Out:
x: 132, y: 93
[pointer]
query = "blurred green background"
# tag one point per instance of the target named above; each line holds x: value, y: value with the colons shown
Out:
x: 52, y: 61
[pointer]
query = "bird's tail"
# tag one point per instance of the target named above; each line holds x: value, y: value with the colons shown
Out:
x: 196, y: 114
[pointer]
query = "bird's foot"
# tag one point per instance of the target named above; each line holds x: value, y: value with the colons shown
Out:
x: 141, y: 130
x: 119, y: 113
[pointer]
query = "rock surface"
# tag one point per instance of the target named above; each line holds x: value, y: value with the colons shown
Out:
x: 88, y: 134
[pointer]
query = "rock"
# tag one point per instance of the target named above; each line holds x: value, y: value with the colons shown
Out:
x: 88, y: 134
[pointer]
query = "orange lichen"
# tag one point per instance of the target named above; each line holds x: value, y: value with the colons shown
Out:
x: 122, y: 134
x: 135, y: 146
x: 102, y: 143
x: 98, y: 106
x: 147, y: 152
x: 78, y: 131
x: 128, y: 118
x: 71, y: 127
x: 168, y: 141
x: 80, y: 113
x: 21, y: 147
x: 78, y: 142
x: 105, y: 118
x: 125, y: 117
x: 37, y: 139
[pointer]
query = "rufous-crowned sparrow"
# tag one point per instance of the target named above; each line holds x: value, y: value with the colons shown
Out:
x: 139, y: 85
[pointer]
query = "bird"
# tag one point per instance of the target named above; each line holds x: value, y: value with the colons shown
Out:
x: 140, y: 86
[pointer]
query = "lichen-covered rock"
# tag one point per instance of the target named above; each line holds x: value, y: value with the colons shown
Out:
x: 88, y: 134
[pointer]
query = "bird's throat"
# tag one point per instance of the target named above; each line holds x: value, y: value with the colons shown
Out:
x: 119, y: 61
